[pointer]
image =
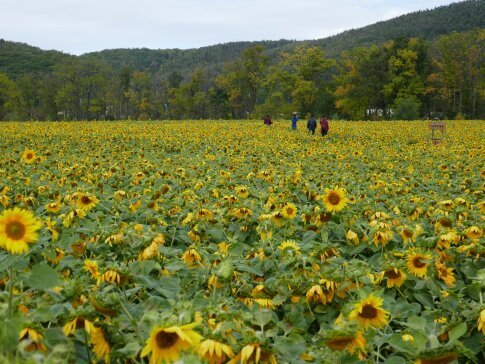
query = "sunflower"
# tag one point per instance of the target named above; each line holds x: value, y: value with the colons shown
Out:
x: 289, y: 245
x: 317, y: 294
x: 438, y: 358
x: 86, y: 201
x: 242, y: 191
x: 382, y: 237
x: 321, y: 218
x: 166, y: 343
x: 334, y: 199
x: 352, y: 237
x: 149, y: 252
x: 214, y: 352
x: 253, y: 353
x: 443, y: 224
x: 191, y: 257
x: 481, y: 322
x: 395, y: 277
x: 29, y: 156
x: 474, y: 232
x: 101, y: 347
x: 277, y: 218
x: 445, y: 274
x: 242, y: 213
x: 204, y: 214
x: 289, y: 211
x: 35, y: 339
x: 407, y: 235
x: 91, y: 266
x: 368, y: 312
x: 78, y: 323
x: 110, y: 276
x: 417, y: 264
x: 17, y: 229
x: 349, y: 342
x: 53, y: 207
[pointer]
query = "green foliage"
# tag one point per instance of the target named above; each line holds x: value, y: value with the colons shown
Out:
x: 10, y: 98
x: 406, y: 109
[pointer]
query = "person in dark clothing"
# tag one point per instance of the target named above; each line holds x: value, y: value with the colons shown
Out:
x: 324, y: 125
x: 267, y: 120
x: 312, y: 124
x: 294, y: 121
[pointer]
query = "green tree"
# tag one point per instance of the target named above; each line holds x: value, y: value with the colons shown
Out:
x: 457, y: 81
x: 404, y: 80
x: 10, y: 99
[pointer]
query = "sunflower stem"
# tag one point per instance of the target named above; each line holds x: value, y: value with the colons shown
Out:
x: 87, y: 346
x: 10, y: 290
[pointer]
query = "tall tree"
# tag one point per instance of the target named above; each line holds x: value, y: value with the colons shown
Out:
x: 457, y: 82
x: 10, y: 99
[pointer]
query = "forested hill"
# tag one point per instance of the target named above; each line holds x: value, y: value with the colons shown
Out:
x: 19, y: 58
x: 427, y: 24
x: 184, y: 61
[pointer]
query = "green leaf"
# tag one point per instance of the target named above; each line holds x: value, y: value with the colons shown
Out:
x: 9, y: 333
x: 217, y: 234
x: 457, y: 332
x: 42, y: 277
x: 416, y: 323
x: 261, y: 317
x: 245, y: 268
x: 9, y: 260
x: 395, y: 360
x: 131, y: 349
x: 424, y: 300
x: 225, y: 270
x: 401, y: 346
x: 290, y: 347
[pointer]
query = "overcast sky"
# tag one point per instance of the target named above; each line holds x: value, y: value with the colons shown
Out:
x: 80, y: 26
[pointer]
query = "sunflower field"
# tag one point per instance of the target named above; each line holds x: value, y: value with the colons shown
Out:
x: 233, y: 242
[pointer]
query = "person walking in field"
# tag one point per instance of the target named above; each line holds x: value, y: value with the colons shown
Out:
x: 294, y: 120
x: 324, y: 125
x: 267, y: 120
x: 312, y: 124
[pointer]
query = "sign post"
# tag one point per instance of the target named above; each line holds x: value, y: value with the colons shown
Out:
x: 437, y: 131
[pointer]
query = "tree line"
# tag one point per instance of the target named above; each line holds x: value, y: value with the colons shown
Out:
x: 405, y: 78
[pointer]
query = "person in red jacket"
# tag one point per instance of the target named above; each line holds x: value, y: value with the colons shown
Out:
x: 324, y: 125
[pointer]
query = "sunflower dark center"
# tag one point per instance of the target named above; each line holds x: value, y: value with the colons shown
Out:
x: 408, y: 234
x: 15, y: 230
x: 339, y: 343
x: 334, y: 198
x: 418, y: 263
x: 445, y: 223
x: 85, y: 200
x: 166, y: 339
x: 368, y: 312
x: 289, y: 210
x: 393, y: 274
x: 324, y: 217
x: 29, y: 156
x: 443, y: 359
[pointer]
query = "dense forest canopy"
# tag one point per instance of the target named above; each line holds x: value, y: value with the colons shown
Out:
x: 424, y: 64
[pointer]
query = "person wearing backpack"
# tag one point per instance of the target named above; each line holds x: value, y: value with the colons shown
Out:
x: 311, y: 124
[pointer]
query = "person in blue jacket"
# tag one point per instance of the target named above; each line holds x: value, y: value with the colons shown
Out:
x: 294, y: 120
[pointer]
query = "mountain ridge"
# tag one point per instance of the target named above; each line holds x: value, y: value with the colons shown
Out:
x: 20, y: 58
